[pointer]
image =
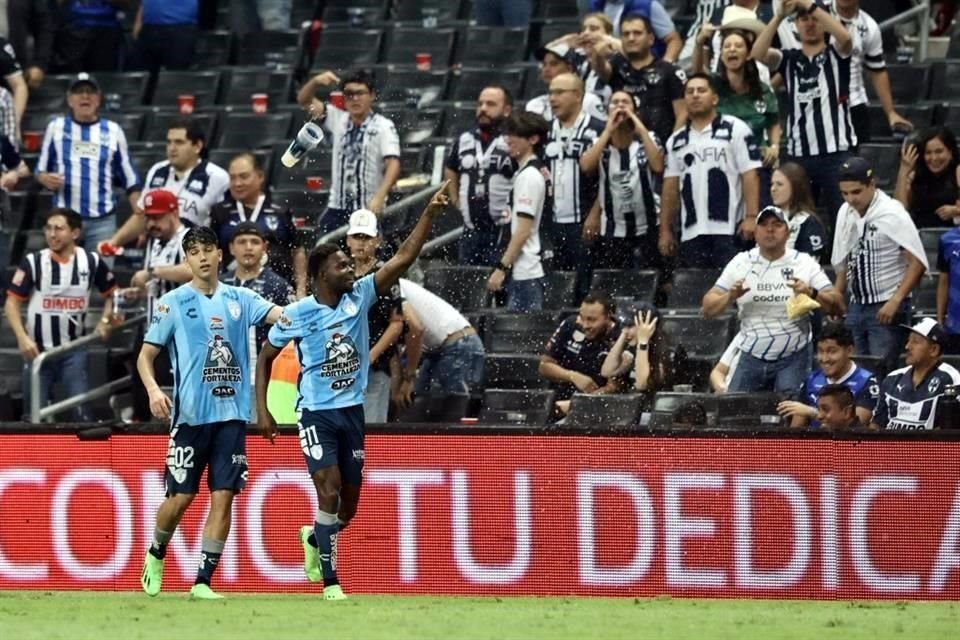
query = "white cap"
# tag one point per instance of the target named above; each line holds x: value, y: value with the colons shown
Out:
x: 363, y: 221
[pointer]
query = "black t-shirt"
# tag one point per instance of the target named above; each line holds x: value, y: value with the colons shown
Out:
x: 572, y: 350
x: 379, y: 317
x: 656, y: 86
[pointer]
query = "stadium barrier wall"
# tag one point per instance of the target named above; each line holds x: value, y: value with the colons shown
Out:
x: 775, y: 517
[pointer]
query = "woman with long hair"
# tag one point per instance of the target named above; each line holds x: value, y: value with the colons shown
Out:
x: 790, y: 190
x: 644, y: 354
x: 928, y: 182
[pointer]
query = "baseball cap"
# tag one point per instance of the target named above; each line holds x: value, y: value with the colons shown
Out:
x: 84, y: 78
x: 159, y: 202
x: 562, y: 51
x: 363, y: 221
x: 771, y: 211
x: 247, y: 229
x: 855, y: 169
x: 929, y: 329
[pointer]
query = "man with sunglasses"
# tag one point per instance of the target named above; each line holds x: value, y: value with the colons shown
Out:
x: 366, y: 147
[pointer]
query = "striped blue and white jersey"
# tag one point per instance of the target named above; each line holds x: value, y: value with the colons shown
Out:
x: 93, y: 159
x: 359, y: 154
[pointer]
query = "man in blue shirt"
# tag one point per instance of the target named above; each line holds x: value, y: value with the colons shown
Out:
x: 166, y: 34
x: 331, y: 331
x: 203, y: 324
x: 835, y: 356
x: 948, y: 289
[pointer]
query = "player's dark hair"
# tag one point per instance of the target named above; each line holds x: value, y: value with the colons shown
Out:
x: 634, y: 17
x: 507, y: 96
x: 203, y: 236
x: 701, y: 76
x: 602, y: 298
x: 74, y: 219
x: 525, y: 124
x: 837, y: 332
x: 840, y: 392
x: 319, y: 256
x: 195, y: 131
x: 359, y: 77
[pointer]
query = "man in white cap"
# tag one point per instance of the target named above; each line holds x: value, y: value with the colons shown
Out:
x: 386, y: 314
x: 909, y: 396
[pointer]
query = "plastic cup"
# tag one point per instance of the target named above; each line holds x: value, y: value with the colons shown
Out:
x: 337, y: 100
x: 314, y: 183
x: 424, y: 61
x: 259, y: 102
x: 32, y: 140
x: 185, y: 103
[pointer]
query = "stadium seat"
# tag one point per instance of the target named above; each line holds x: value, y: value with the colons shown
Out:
x: 463, y: 287
x: 214, y: 49
x: 276, y: 49
x: 930, y: 237
x: 436, y: 408
x: 409, y: 86
x: 518, y: 332
x: 707, y: 337
x: 920, y: 115
x: 443, y: 10
x: 688, y: 287
x: 253, y: 130
x: 909, y: 83
x: 559, y: 290
x: 347, y: 49
x: 131, y: 122
x: 493, y: 46
x: 415, y: 126
x: 945, y: 81
x: 467, y: 83
x: 305, y: 205
x: 512, y: 371
x: 546, y: 31
x: 51, y: 95
x: 339, y: 16
x: 459, y: 116
x: 513, y: 406
x: 204, y: 86
x: 403, y: 45
x: 240, y: 84
x: 533, y: 86
x: 885, y: 159
x: 558, y: 9
x: 748, y: 410
x: 159, y: 121
x: 639, y: 285
x: 128, y: 88
x: 615, y: 410
x: 925, y: 296
x: 667, y: 403
x: 317, y: 163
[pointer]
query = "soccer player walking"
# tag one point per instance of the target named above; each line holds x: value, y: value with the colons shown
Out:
x: 331, y: 330
x: 203, y: 324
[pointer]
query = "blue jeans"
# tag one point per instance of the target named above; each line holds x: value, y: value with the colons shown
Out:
x: 502, y: 13
x: 70, y: 371
x: 871, y: 338
x: 483, y: 247
x: 785, y: 375
x: 823, y: 171
x: 376, y: 399
x: 95, y: 230
x: 708, y: 252
x: 525, y: 295
x: 455, y: 368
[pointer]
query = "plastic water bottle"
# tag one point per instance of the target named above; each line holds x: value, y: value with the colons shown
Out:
x: 119, y: 304
x: 308, y: 138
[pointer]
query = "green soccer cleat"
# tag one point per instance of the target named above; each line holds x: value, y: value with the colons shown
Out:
x: 311, y: 556
x: 204, y: 592
x: 334, y: 592
x: 151, y: 578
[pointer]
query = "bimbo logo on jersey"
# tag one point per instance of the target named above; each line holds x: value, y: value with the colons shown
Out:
x: 64, y: 303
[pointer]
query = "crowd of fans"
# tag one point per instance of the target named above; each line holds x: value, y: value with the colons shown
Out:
x: 733, y: 151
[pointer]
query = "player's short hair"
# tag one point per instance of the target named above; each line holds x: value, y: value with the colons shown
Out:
x: 637, y: 17
x: 359, y: 77
x: 838, y: 333
x: 701, y: 76
x: 507, y: 96
x: 839, y: 392
x: 74, y: 219
x: 603, y: 298
x: 194, y: 129
x: 203, y: 236
x: 319, y: 256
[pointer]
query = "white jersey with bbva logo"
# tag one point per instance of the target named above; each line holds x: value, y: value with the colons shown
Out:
x: 765, y: 330
x: 197, y: 192
x: 710, y: 164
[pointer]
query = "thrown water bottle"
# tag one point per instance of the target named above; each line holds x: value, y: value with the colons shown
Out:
x: 119, y: 306
x: 308, y: 138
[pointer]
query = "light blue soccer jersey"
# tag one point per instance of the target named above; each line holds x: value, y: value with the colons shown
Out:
x: 208, y: 344
x: 333, y: 346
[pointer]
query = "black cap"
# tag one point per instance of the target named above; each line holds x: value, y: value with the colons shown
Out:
x: 247, y: 229
x: 82, y: 79
x: 855, y: 169
x: 628, y: 316
x: 562, y: 51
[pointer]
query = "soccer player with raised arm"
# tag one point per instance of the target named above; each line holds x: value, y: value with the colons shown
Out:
x: 203, y: 324
x: 331, y: 333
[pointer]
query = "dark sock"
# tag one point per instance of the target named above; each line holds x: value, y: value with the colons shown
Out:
x: 210, y: 552
x: 325, y: 531
x: 158, y: 547
x: 312, y: 540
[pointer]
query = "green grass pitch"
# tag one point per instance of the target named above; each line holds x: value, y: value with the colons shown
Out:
x: 77, y: 616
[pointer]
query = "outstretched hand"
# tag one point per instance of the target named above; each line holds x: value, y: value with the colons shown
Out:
x: 440, y: 200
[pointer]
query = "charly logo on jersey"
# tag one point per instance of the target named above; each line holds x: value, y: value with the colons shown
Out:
x: 220, y: 365
x: 343, y: 359
x: 234, y: 310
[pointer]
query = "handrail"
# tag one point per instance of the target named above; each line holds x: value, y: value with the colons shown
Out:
x: 36, y: 413
x: 408, y: 201
x: 441, y: 241
x: 923, y: 10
